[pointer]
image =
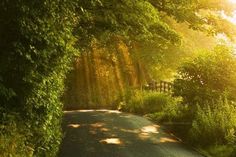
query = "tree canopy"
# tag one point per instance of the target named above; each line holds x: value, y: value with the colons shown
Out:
x: 40, y: 39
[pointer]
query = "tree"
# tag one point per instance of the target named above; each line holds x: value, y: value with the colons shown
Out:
x: 204, y: 15
x: 38, y: 40
x: 150, y: 30
x: 208, y: 77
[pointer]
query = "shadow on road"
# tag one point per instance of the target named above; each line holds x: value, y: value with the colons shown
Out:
x: 105, y: 133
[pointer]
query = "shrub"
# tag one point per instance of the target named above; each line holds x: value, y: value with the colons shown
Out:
x: 143, y: 102
x: 132, y: 102
x: 174, y: 111
x: 220, y: 151
x: 13, y: 139
x: 207, y: 77
x: 214, y: 124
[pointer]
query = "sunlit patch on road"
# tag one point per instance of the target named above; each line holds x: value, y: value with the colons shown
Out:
x: 97, y: 125
x: 111, y: 134
x: 73, y: 125
x: 75, y: 111
x: 144, y: 136
x: 100, y: 110
x: 150, y: 129
x: 104, y: 129
x: 135, y: 131
x: 115, y: 141
x: 109, y: 111
x: 93, y: 132
x: 167, y: 139
x: 85, y: 110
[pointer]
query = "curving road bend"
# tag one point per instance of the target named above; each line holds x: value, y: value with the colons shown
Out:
x: 108, y: 133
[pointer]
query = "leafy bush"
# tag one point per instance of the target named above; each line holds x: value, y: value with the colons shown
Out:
x: 143, y: 102
x: 219, y: 151
x: 207, y: 77
x: 36, y: 50
x: 174, y: 112
x: 202, y: 82
x: 13, y: 138
x: 214, y: 124
x: 133, y: 102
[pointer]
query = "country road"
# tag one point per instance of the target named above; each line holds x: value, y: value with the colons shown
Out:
x: 107, y: 133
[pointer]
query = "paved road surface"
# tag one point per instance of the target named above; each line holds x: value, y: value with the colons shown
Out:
x: 106, y: 133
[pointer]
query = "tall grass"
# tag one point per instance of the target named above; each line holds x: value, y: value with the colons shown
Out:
x: 149, y: 102
x: 13, y: 141
x: 215, y: 124
x: 214, y: 128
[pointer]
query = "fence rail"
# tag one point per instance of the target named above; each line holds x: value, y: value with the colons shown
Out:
x: 162, y: 86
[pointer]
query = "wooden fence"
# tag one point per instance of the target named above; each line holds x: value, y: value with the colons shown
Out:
x: 162, y: 86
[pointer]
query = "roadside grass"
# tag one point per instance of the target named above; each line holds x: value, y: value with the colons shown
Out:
x: 13, y: 142
x: 208, y: 127
x: 218, y: 151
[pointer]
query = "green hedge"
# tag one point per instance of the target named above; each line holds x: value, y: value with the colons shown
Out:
x: 36, y: 51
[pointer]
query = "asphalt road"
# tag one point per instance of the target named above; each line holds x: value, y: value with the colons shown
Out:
x: 106, y: 133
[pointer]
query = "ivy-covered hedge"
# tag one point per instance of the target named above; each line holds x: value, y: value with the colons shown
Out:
x: 35, y: 53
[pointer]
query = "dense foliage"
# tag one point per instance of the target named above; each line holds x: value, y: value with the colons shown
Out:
x: 214, y: 128
x: 206, y: 116
x: 215, y: 125
x: 207, y: 77
x: 143, y: 102
x: 38, y: 40
x: 35, y: 43
x: 149, y: 31
x: 207, y: 85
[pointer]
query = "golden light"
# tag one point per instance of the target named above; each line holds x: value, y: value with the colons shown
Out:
x: 86, y: 110
x: 73, y: 125
x: 233, y: 18
x: 111, y: 141
x: 93, y: 132
x: 232, y: 1
x: 130, y: 131
x: 109, y: 111
x: 97, y: 125
x: 144, y: 136
x: 100, y: 110
x: 75, y: 111
x: 104, y: 129
x: 150, y: 129
x: 166, y: 139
